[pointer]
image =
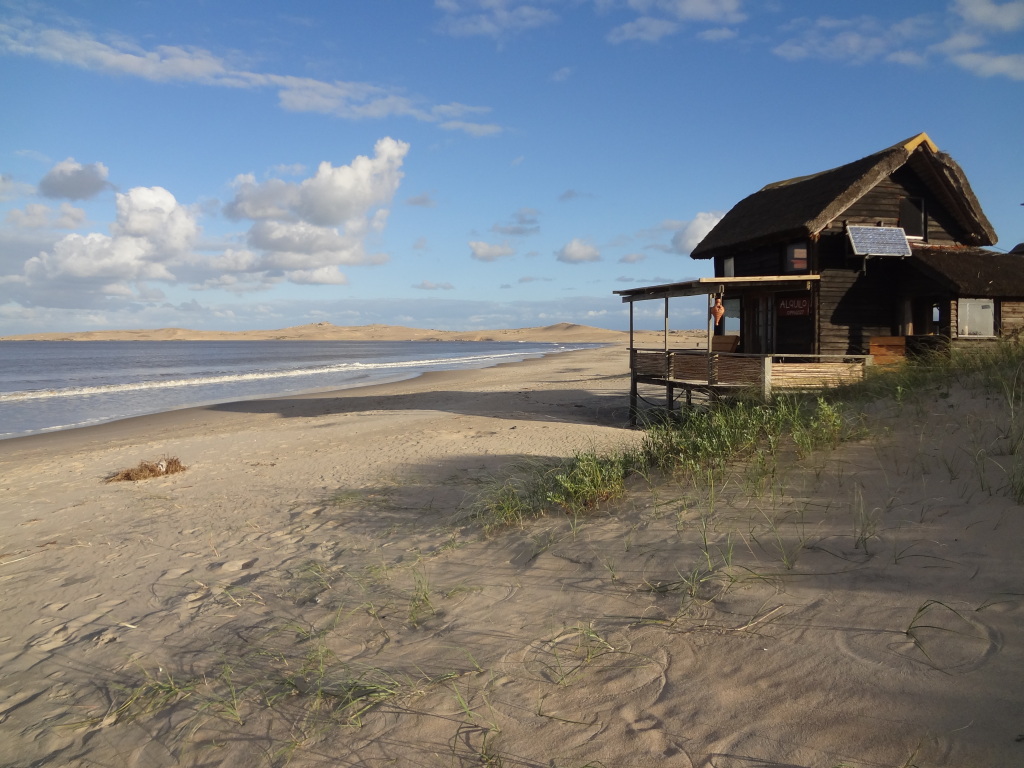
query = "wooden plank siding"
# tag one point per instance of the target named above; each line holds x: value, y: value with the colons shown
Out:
x: 1011, y: 317
x: 814, y: 375
x: 852, y: 307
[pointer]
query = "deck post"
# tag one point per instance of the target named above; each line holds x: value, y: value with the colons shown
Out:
x: 712, y: 377
x: 632, y: 372
x: 666, y: 323
x: 766, y: 377
x: 632, y: 399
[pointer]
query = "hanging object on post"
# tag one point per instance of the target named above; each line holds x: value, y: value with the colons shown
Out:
x: 718, y: 310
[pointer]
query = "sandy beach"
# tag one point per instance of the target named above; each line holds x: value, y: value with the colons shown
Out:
x: 858, y: 607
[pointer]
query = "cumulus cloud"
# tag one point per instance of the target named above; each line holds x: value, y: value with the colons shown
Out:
x: 333, y: 196
x: 74, y: 181
x: 482, y: 251
x: 327, y: 275
x: 632, y: 258
x: 692, y: 232
x: 37, y: 216
x: 577, y: 251
x: 151, y: 230
x: 321, y: 221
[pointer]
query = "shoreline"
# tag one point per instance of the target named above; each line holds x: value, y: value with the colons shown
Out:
x: 193, y: 419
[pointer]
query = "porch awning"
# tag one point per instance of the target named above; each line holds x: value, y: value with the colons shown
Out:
x: 714, y: 285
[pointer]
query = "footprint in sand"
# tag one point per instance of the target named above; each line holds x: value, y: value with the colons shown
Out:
x: 174, y: 573
x: 233, y: 566
x: 648, y: 733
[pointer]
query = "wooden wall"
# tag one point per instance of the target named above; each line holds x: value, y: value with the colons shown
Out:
x: 1011, y: 317
x: 853, y: 307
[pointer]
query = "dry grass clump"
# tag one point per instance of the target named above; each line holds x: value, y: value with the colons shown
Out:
x: 148, y: 469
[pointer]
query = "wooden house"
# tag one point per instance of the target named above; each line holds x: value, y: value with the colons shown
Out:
x: 870, y: 258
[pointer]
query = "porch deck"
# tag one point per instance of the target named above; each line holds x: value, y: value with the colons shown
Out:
x: 720, y: 373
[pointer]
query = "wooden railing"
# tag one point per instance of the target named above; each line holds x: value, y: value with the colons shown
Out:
x: 697, y: 368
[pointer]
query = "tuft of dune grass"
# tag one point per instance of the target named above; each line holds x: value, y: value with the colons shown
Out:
x: 147, y: 469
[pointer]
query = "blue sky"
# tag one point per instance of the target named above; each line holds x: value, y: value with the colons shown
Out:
x: 452, y: 164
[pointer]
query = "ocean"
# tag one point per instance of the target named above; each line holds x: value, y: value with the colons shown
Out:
x: 47, y: 386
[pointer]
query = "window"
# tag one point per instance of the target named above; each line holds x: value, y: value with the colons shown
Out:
x: 728, y: 267
x: 912, y: 218
x: 796, y: 258
x: 976, y: 317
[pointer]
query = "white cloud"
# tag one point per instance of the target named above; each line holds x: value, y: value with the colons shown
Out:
x: 482, y: 251
x: 577, y: 251
x: 989, y: 64
x: 473, y: 129
x: 1007, y: 16
x: 425, y: 200
x: 74, y: 181
x: 717, y: 35
x: 152, y: 214
x: 322, y: 221
x: 561, y: 75
x: 867, y: 38
x: 327, y: 275
x: 723, y: 11
x: 524, y: 222
x: 169, y: 63
x: 12, y: 190
x: 301, y: 245
x: 645, y: 29
x: 692, y: 232
x: 427, y: 285
x: 37, y: 216
x: 151, y: 230
x: 335, y: 195
x: 856, y: 40
x: 632, y: 258
x: 491, y: 18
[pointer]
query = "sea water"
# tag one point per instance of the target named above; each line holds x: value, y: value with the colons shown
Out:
x: 53, y: 385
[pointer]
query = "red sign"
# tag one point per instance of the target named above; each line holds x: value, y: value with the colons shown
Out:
x: 790, y: 306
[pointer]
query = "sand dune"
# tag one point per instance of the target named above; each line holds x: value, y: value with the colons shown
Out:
x: 560, y: 332
x: 308, y: 592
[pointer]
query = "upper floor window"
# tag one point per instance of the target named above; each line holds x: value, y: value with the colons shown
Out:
x: 796, y: 258
x: 912, y: 218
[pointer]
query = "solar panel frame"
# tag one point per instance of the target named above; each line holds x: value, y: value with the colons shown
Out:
x: 878, y: 241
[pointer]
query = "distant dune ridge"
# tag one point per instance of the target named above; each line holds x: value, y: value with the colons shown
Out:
x: 325, y: 331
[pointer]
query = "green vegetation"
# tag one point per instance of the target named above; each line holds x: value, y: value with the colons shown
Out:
x: 697, y: 445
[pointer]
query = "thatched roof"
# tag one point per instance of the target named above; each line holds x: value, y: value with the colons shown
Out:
x: 972, y: 271
x: 798, y: 208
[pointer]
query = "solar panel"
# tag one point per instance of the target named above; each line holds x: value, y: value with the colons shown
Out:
x: 878, y: 241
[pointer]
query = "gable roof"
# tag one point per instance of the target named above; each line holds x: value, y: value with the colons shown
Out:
x: 797, y: 208
x: 972, y: 271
